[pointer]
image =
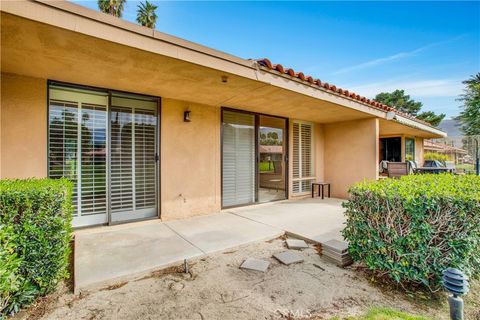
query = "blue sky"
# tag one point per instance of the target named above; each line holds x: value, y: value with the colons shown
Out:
x: 426, y: 48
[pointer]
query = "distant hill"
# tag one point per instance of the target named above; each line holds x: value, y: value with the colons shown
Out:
x: 451, y: 127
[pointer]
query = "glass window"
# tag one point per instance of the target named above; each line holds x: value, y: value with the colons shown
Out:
x: 409, y: 149
x: 78, y: 146
x: 238, y: 158
x: 302, y: 164
x: 391, y: 149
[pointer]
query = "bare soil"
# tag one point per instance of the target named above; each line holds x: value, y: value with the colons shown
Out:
x: 215, y: 288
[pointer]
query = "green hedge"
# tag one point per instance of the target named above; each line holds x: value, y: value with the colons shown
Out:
x: 35, y: 232
x: 413, y: 228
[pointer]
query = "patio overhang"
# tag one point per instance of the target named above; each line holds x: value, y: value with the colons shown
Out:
x: 403, y: 126
x: 65, y: 42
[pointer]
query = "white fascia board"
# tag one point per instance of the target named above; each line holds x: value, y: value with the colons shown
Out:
x: 418, y: 125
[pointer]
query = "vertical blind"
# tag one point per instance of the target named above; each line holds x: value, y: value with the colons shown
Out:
x: 238, y: 158
x: 302, y: 162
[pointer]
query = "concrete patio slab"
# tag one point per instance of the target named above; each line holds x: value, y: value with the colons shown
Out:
x: 217, y: 232
x: 255, y: 265
x: 107, y: 253
x: 310, y: 218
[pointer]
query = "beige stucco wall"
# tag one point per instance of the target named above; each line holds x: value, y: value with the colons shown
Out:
x: 351, y: 154
x: 419, y: 150
x: 190, y: 161
x: 23, y: 127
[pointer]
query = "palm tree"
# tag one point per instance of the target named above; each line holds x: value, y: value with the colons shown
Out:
x: 113, y: 7
x: 146, y: 15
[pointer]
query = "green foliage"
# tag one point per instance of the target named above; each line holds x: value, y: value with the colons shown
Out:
x: 436, y: 156
x: 112, y: 7
x: 386, y: 314
x: 411, y: 229
x: 402, y: 102
x: 35, y: 234
x: 431, y: 117
x: 146, y: 15
x: 470, y: 115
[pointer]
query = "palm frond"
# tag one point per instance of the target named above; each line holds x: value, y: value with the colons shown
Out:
x: 146, y: 15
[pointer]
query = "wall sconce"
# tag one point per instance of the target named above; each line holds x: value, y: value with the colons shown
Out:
x: 186, y: 116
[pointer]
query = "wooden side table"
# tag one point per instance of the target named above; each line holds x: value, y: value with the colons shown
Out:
x: 321, y: 185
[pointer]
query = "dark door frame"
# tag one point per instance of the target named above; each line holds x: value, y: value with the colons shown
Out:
x: 257, y: 154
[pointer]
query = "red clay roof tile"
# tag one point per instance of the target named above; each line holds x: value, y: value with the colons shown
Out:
x: 300, y: 75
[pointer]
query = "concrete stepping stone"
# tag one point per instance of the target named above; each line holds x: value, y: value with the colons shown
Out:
x: 288, y: 257
x: 337, y: 252
x: 335, y: 246
x: 255, y: 264
x: 296, y: 244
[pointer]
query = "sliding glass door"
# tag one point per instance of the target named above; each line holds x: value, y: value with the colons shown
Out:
x: 238, y: 158
x: 77, y: 149
x: 133, y: 173
x: 106, y: 144
x: 253, y: 158
x: 271, y: 161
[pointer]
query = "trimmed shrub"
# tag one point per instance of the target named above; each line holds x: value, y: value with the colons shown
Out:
x: 436, y: 156
x: 35, y: 234
x: 413, y: 228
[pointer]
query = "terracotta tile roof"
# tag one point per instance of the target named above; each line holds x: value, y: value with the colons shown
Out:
x: 442, y: 148
x: 316, y: 82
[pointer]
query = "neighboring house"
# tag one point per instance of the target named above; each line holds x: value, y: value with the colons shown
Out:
x: 149, y: 125
x: 455, y: 154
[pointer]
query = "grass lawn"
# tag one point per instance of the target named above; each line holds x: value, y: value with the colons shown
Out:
x: 465, y: 167
x: 386, y: 314
x: 265, y: 166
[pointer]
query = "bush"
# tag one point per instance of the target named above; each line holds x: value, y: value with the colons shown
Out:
x: 413, y: 228
x: 35, y: 234
x: 436, y: 156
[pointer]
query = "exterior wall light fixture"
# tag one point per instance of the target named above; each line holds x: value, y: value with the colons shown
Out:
x: 186, y: 116
x: 390, y: 115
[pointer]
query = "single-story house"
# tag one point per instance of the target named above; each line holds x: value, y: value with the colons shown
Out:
x: 148, y: 125
x: 455, y: 154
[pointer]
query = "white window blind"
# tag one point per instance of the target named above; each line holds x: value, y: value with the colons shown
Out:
x: 112, y: 162
x: 77, y: 149
x: 63, y: 143
x: 302, y: 162
x: 145, y: 176
x: 238, y: 158
x: 121, y: 175
x: 132, y: 159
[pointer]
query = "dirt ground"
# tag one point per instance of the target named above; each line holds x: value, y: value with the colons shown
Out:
x: 216, y: 288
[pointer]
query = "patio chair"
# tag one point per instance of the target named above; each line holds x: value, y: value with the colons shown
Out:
x: 412, y: 167
x: 382, y: 167
x: 397, y: 169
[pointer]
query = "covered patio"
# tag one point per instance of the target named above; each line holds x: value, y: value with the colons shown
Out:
x: 106, y: 255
